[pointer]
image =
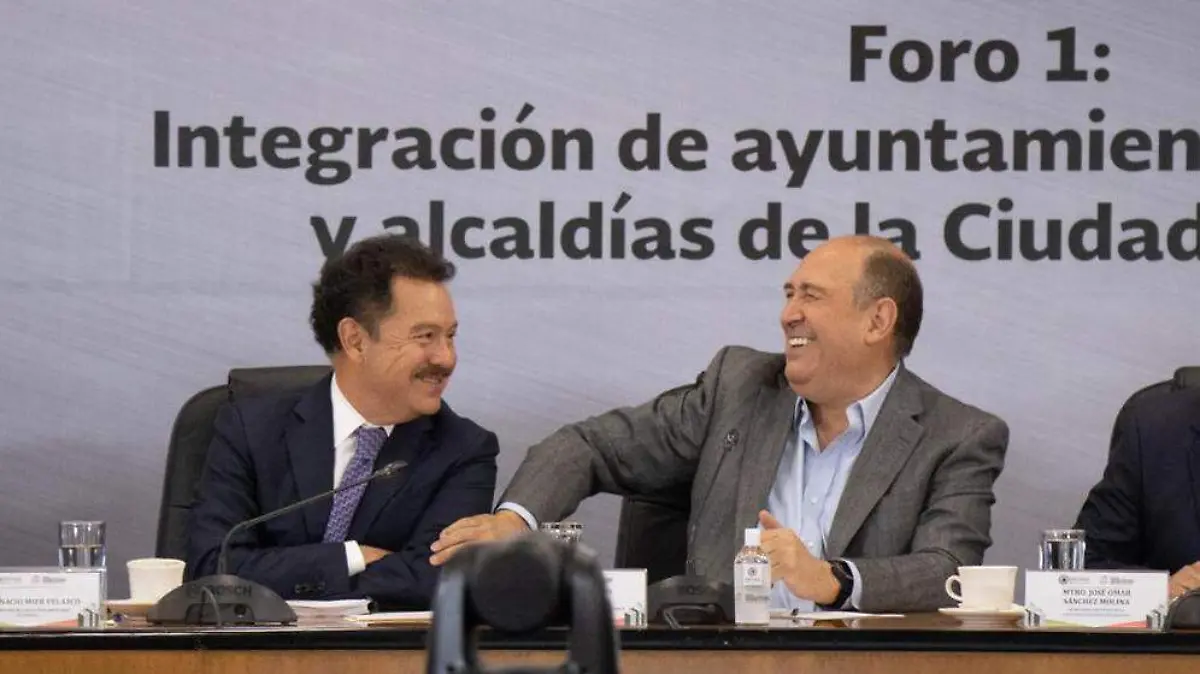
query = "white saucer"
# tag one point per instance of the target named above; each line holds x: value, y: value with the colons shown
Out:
x: 973, y: 617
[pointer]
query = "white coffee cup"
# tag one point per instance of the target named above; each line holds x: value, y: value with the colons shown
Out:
x: 152, y: 577
x: 987, y: 588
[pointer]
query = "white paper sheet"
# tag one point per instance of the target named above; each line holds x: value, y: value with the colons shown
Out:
x: 396, y: 617
x: 831, y: 615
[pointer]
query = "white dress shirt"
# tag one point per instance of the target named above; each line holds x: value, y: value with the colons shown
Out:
x: 346, y: 420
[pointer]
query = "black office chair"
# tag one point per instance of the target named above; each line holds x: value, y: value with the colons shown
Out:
x: 652, y: 534
x: 1185, y: 377
x: 193, y: 433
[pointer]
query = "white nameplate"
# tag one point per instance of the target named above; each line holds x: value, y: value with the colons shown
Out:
x: 1095, y: 598
x: 34, y: 597
x: 627, y: 596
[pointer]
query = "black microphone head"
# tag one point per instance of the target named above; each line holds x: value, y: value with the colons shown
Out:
x: 1184, y: 612
x: 516, y: 584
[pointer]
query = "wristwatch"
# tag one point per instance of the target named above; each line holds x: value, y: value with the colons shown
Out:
x: 845, y: 578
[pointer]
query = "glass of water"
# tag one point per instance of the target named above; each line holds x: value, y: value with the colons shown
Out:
x: 569, y: 532
x: 81, y: 545
x: 1062, y: 550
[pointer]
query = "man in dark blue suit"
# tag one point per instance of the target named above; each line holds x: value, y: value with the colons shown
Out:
x: 385, y: 317
x: 1145, y: 511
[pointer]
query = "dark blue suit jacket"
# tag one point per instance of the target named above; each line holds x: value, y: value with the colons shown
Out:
x: 1145, y: 511
x: 273, y: 451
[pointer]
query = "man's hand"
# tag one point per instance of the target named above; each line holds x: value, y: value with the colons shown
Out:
x: 372, y: 555
x: 475, y: 529
x: 1185, y: 580
x: 805, y: 576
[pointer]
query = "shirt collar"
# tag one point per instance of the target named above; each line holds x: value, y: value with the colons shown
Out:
x: 346, y: 419
x: 863, y: 411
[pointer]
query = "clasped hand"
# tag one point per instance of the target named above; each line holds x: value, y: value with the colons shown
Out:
x: 806, y: 576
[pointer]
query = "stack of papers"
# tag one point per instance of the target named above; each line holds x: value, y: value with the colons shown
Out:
x: 341, y: 608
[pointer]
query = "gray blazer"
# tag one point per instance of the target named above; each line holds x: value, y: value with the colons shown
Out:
x: 917, y: 503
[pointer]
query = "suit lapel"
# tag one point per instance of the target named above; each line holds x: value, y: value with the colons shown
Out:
x: 887, y: 447
x: 406, y: 443
x: 1194, y: 469
x: 763, y: 450
x: 309, y: 443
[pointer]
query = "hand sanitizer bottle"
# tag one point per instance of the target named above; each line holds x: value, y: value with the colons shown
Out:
x: 752, y: 582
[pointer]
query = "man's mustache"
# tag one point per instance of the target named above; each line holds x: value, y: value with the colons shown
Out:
x: 434, y: 371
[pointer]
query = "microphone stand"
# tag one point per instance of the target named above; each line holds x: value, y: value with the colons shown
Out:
x: 225, y: 598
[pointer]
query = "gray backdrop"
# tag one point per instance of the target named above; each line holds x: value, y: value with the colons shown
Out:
x: 128, y: 287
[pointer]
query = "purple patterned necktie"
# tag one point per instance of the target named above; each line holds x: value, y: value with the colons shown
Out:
x: 368, y: 440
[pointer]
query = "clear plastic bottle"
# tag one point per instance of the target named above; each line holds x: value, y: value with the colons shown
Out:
x: 752, y: 582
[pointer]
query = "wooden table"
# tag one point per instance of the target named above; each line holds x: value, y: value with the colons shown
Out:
x: 924, y: 644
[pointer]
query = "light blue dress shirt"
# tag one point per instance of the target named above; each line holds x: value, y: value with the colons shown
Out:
x: 810, y: 483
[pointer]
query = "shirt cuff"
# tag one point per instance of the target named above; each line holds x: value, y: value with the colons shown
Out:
x: 522, y: 512
x: 855, y: 600
x: 355, y: 562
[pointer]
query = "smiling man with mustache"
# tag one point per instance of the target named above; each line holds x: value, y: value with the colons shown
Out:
x: 384, y: 316
x: 871, y: 485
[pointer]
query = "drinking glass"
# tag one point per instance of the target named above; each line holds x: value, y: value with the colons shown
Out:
x: 81, y: 545
x: 569, y: 532
x: 1062, y: 550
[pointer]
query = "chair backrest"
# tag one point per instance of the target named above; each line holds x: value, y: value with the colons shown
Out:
x: 652, y: 534
x: 187, y: 449
x: 1185, y: 377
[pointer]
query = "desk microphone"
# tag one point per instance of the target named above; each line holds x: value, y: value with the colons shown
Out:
x: 227, y: 599
x: 692, y: 598
x: 223, y: 558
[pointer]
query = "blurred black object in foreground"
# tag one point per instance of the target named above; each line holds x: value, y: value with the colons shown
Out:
x: 525, y: 584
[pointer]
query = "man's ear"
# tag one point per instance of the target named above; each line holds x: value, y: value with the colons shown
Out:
x: 352, y: 336
x: 881, y: 320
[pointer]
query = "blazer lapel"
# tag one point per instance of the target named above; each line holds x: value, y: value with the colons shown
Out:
x: 891, y: 441
x: 776, y: 407
x: 406, y: 443
x: 1194, y: 470
x: 310, y: 451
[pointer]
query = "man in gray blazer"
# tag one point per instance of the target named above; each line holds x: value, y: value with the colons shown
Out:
x: 871, y: 485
